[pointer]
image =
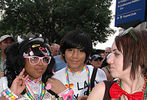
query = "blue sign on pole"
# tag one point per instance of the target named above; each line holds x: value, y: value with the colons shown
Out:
x: 130, y: 12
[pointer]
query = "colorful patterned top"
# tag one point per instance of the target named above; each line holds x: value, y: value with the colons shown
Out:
x: 35, y: 90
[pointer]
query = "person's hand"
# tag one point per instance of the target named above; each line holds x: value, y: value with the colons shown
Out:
x: 56, y: 85
x: 18, y: 85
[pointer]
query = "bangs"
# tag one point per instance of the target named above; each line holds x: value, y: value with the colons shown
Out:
x: 75, y: 43
x: 37, y: 52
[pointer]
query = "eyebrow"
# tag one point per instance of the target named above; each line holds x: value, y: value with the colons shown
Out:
x: 114, y: 49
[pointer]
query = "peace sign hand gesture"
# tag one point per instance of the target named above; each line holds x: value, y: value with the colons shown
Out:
x: 18, y: 85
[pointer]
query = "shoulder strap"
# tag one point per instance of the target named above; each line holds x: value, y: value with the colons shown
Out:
x: 53, y: 93
x: 108, y: 85
x: 93, y: 77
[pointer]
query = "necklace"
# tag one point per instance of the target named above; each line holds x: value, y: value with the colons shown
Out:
x: 68, y: 85
x: 30, y: 93
x: 145, y: 91
x: 144, y: 88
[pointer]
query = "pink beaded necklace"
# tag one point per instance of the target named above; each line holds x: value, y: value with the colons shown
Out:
x: 29, y: 91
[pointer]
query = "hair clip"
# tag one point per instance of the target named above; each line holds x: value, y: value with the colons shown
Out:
x: 133, y: 35
x: 48, y: 52
x: 24, y: 54
x: 126, y: 31
x: 31, y: 53
x: 35, y: 45
x: 129, y: 30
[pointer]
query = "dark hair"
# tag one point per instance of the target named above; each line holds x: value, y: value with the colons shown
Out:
x: 96, y: 57
x: 134, y: 50
x: 76, y: 39
x: 15, y: 61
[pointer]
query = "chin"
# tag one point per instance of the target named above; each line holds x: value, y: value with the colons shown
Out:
x: 37, y: 76
x: 114, y: 75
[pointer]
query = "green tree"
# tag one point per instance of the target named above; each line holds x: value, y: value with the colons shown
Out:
x: 53, y: 18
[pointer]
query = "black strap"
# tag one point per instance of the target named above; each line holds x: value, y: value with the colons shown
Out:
x: 93, y: 77
x: 108, y: 85
x: 53, y: 93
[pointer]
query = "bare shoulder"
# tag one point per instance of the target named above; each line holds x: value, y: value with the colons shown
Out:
x: 97, y: 92
x: 100, y: 88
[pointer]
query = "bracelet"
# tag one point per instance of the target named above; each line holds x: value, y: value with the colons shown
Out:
x: 9, y: 94
x: 66, y: 94
x: 60, y: 98
x: 63, y: 92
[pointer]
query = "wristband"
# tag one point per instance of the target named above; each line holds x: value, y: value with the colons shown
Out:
x: 66, y: 94
x: 9, y: 94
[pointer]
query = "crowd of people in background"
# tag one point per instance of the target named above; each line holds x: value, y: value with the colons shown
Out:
x: 5, y: 41
x: 35, y: 70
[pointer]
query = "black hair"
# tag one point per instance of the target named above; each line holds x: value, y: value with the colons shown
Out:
x: 76, y: 39
x: 15, y: 61
x: 96, y: 57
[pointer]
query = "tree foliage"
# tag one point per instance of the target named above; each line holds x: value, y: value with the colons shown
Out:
x: 53, y: 18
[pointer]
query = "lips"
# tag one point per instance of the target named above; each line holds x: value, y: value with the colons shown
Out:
x: 75, y: 62
x: 111, y: 68
x: 39, y: 70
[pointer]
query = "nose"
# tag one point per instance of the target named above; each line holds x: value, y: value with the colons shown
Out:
x: 110, y: 58
x: 75, y: 53
x: 40, y: 62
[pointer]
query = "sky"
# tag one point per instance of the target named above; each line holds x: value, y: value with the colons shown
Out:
x: 110, y: 40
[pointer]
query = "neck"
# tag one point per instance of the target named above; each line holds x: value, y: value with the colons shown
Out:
x: 34, y: 79
x: 76, y: 69
x: 132, y: 86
